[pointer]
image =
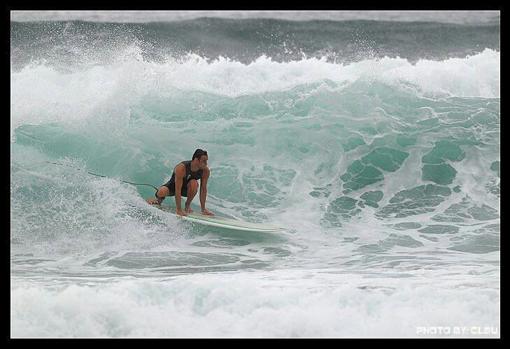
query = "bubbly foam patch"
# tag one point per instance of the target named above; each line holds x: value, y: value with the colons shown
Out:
x: 274, y: 304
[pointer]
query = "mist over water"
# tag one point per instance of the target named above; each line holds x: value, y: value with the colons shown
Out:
x: 375, y: 143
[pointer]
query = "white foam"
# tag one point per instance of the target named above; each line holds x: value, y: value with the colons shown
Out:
x: 82, y: 215
x: 282, y: 303
x: 41, y: 94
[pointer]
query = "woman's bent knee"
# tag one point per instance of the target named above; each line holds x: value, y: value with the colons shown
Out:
x: 193, y: 184
x: 163, y: 191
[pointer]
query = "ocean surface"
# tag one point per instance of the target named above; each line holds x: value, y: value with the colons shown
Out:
x: 373, y: 138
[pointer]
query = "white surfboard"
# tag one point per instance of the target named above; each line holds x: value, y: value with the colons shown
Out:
x: 226, y: 223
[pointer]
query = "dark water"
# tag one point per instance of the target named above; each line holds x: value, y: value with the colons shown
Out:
x: 246, y: 40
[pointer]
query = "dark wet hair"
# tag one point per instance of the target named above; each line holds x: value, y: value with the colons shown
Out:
x: 198, y: 153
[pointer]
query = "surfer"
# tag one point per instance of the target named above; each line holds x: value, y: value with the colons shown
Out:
x: 184, y: 182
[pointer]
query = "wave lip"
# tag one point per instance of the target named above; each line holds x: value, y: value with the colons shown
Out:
x: 39, y: 91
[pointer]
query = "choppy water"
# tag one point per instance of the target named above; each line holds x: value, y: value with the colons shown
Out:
x: 375, y: 142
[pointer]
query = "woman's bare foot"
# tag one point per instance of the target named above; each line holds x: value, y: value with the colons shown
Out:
x: 207, y: 212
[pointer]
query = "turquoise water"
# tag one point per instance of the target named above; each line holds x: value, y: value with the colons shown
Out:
x: 380, y: 158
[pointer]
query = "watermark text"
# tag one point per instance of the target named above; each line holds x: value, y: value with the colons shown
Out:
x: 457, y: 330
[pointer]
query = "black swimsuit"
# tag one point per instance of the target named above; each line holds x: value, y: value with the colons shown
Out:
x: 189, y: 176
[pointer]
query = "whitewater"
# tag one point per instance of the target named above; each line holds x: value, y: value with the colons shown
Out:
x: 381, y: 160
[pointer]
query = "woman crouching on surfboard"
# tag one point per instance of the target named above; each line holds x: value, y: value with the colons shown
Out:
x: 184, y: 182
